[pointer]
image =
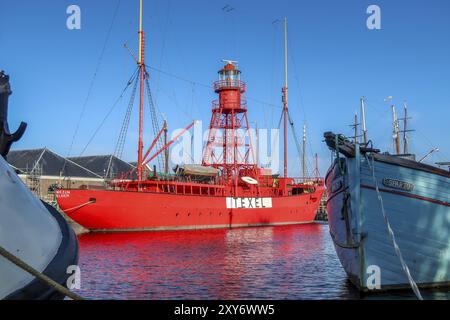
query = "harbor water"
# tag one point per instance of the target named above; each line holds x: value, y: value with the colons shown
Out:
x: 288, y: 262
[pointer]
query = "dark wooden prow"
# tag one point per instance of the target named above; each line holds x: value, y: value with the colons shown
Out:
x: 344, y: 145
x: 7, y: 138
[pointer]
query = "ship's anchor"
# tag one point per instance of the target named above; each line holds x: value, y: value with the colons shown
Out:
x: 7, y: 138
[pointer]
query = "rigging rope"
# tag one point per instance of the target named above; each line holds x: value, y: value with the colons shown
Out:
x: 109, y: 112
x: 118, y: 152
x: 38, y: 275
x: 272, y: 78
x: 296, y: 77
x: 209, y: 86
x: 272, y: 146
x: 301, y: 100
x: 163, y: 46
x: 155, y: 124
x: 405, y: 268
x: 297, y: 145
x: 91, y: 85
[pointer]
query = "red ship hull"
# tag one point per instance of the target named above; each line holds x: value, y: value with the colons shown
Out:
x: 109, y: 210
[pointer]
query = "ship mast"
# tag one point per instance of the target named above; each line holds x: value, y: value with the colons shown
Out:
x: 141, y: 64
x: 285, y: 99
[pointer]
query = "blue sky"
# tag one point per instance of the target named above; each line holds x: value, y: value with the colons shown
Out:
x: 334, y: 60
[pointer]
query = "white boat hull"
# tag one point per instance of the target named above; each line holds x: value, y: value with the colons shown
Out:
x: 36, y: 234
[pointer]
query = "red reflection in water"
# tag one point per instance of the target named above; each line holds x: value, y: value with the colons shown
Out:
x: 270, y: 262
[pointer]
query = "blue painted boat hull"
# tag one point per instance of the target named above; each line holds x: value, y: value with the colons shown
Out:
x: 417, y: 204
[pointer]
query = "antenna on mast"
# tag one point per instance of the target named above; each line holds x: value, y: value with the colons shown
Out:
x: 363, y: 115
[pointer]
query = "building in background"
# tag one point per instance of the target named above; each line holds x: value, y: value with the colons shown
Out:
x: 42, y: 170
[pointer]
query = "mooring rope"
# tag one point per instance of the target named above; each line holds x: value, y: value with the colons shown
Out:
x: 80, y: 206
x: 405, y: 268
x: 39, y: 275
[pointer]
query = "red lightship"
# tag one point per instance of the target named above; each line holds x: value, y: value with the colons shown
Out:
x: 227, y: 190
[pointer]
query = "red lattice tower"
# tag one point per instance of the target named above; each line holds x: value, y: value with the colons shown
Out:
x: 229, y: 146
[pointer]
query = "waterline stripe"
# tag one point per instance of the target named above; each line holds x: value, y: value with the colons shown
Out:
x: 413, y: 196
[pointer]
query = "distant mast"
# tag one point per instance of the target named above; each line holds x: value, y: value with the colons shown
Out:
x: 141, y: 63
x: 256, y: 144
x: 317, y: 173
x: 355, y: 127
x: 405, y: 130
x: 285, y: 99
x: 396, y: 131
x: 363, y: 119
x: 304, y: 152
x: 166, y: 151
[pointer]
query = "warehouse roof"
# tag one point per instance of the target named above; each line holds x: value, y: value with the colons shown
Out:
x: 100, y: 164
x: 48, y: 163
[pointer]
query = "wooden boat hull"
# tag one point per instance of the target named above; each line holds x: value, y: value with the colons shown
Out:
x: 417, y: 204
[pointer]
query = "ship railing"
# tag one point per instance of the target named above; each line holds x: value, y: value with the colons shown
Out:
x: 121, y: 179
x: 230, y: 84
x: 219, y: 141
x: 162, y: 183
x: 313, y: 181
x: 242, y: 105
